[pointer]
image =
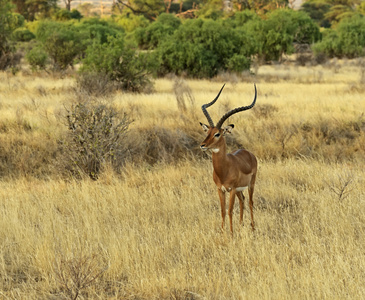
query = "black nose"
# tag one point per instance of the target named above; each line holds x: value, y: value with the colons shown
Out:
x: 202, y: 145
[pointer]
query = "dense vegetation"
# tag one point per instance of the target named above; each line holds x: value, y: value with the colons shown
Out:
x: 199, y: 41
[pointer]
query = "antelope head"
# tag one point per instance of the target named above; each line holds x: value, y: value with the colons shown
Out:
x: 216, y: 133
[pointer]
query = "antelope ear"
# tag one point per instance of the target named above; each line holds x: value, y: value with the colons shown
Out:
x: 205, y: 127
x: 228, y: 129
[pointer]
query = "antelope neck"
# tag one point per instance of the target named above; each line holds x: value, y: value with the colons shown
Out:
x: 220, y: 160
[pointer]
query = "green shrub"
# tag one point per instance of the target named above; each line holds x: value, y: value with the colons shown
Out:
x: 317, y: 11
x: 37, y: 58
x: 329, y: 46
x: 150, y: 36
x: 132, y: 22
x: 202, y: 48
x: 63, y: 47
x: 347, y: 40
x: 351, y: 33
x: 8, y: 23
x: 238, y: 62
x: 22, y: 35
x: 284, y: 27
x: 128, y: 68
x: 61, y: 41
x: 75, y: 14
x: 62, y: 15
x: 169, y: 20
x: 241, y: 18
x: 99, y: 31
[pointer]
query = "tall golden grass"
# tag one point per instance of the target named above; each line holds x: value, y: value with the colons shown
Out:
x: 153, y: 231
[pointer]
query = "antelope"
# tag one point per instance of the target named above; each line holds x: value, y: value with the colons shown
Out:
x: 232, y: 172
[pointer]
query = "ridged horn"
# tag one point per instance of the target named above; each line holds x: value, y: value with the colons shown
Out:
x: 205, y: 106
x: 236, y: 110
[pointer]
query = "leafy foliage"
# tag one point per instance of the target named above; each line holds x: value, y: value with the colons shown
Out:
x: 150, y: 9
x: 37, y: 58
x: 132, y: 22
x: 33, y: 9
x: 63, y: 47
x: 8, y: 23
x: 95, y: 29
x: 348, y: 40
x: 202, y: 48
x: 317, y: 11
x: 130, y: 69
x: 150, y: 37
x: 283, y: 28
x: 62, y: 15
x: 22, y: 35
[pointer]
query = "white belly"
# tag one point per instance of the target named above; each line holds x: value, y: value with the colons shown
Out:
x: 241, y: 188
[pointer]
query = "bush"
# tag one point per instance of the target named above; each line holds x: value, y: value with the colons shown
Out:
x: 95, y: 137
x: 37, y: 58
x: 351, y: 34
x: 132, y: 22
x: 150, y: 37
x: 128, y: 68
x: 347, y: 40
x: 22, y: 35
x: 8, y: 23
x: 284, y: 27
x: 62, y: 15
x: 91, y: 30
x: 241, y: 18
x: 63, y: 47
x: 329, y: 46
x: 75, y: 14
x: 317, y: 11
x: 202, y: 48
x: 61, y: 42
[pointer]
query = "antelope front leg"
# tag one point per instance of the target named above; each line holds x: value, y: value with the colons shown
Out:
x: 232, y: 196
x: 222, y: 198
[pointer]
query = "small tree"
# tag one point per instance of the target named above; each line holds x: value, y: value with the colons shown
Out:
x: 276, y: 35
x: 8, y: 23
x: 284, y: 27
x: 62, y: 43
x: 202, y: 48
x: 317, y: 11
x: 63, y: 47
x: 347, y: 40
x: 150, y: 37
x: 123, y: 65
x: 37, y: 58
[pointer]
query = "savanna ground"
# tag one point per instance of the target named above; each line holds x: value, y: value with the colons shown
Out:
x: 152, y: 230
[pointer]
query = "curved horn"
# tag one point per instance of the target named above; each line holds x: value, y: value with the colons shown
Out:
x: 205, y: 106
x: 236, y: 110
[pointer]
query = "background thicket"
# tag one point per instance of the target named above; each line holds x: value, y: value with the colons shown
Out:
x: 198, y: 40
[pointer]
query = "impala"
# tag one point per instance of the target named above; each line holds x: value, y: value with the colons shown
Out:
x: 233, y: 172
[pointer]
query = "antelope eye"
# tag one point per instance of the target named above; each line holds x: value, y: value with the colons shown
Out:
x: 217, y: 135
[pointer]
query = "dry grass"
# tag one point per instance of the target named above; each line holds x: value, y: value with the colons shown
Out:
x: 157, y: 234
x: 153, y: 232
